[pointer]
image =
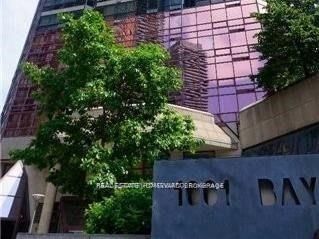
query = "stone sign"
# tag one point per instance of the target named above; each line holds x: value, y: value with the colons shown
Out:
x: 239, y: 198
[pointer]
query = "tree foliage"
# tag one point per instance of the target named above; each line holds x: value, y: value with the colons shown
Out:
x: 126, y: 89
x: 289, y: 42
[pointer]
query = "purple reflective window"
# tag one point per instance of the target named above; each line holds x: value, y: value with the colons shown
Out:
x: 220, y: 30
x: 227, y: 90
x: 217, y: 6
x: 205, y: 42
x: 211, y: 71
x: 203, y: 8
x: 246, y: 99
x: 212, y: 92
x: 237, y: 38
x: 242, y: 68
x: 219, y: 15
x: 220, y: 59
x: 189, y: 19
x: 260, y: 95
x: 256, y: 65
x: 227, y: 82
x: 235, y: 22
x: 212, y: 83
x: 229, y: 117
x: 225, y: 70
x: 221, y: 41
x: 252, y: 26
x: 175, y: 21
x: 234, y: 12
x: 205, y: 33
x: 249, y: 9
x: 240, y: 49
x: 250, y: 20
x: 225, y: 38
x: 223, y: 52
x: 248, y: 1
x: 166, y: 22
x: 189, y: 35
x: 228, y: 103
x: 219, y: 24
x: 204, y: 17
x: 189, y: 29
x: 254, y: 55
x: 243, y: 80
x: 251, y: 36
x: 207, y: 26
x: 193, y: 40
x: 245, y: 88
x: 175, y: 30
x: 213, y: 105
x: 188, y: 10
x: 210, y: 54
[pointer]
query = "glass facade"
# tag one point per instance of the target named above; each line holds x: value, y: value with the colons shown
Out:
x: 212, y: 41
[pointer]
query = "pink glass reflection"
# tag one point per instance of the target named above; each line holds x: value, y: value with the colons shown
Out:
x: 242, y: 68
x: 225, y: 70
x: 221, y: 41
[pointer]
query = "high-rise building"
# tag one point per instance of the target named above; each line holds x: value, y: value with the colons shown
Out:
x: 222, y: 31
x: 212, y: 41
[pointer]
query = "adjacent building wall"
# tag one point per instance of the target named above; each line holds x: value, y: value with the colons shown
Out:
x: 36, y: 178
x: 285, y: 112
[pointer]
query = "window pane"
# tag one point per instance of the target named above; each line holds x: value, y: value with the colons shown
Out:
x: 225, y: 70
x: 237, y: 39
x: 175, y: 21
x: 242, y: 68
x: 189, y: 19
x: 213, y: 105
x: 251, y: 36
x: 205, y: 42
x: 203, y: 17
x: 234, y: 12
x: 227, y: 90
x: 256, y: 65
x: 249, y: 9
x: 219, y: 15
x: 228, y: 103
x: 221, y: 41
x: 246, y: 99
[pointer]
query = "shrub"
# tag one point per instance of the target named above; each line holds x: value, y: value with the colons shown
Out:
x: 128, y: 211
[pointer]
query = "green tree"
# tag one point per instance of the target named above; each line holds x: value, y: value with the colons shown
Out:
x: 127, y: 91
x: 289, y: 42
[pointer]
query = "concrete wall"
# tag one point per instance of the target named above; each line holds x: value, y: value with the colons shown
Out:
x: 79, y: 236
x: 36, y: 178
x: 8, y: 144
x: 291, y: 109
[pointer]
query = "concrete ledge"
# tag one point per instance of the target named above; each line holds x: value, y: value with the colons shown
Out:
x: 205, y: 128
x: 79, y: 236
x: 291, y: 109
